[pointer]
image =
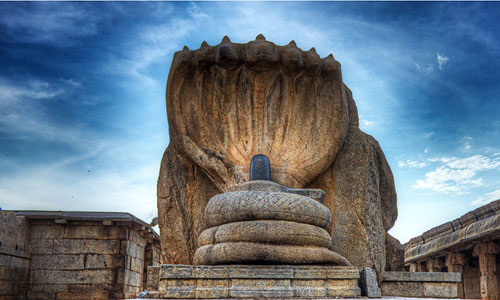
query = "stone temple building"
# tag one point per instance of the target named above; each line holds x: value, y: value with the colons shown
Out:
x: 469, y: 245
x: 61, y: 255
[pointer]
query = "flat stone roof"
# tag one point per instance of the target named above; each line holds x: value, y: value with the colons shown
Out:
x: 85, y: 216
x: 481, y: 223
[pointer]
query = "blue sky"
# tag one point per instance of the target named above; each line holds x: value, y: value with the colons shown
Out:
x: 82, y: 84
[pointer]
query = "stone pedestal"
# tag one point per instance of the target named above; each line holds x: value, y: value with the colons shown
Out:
x: 487, y: 267
x: 257, y: 281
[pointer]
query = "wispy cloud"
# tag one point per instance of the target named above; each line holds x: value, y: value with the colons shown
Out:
x: 425, y: 68
x: 456, y: 175
x: 412, y: 164
x: 55, y: 23
x: 487, y: 198
x: 366, y: 122
x: 23, y: 115
x: 466, y: 144
x: 441, y: 60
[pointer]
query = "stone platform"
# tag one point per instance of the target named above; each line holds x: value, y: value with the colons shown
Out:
x: 255, y: 281
x: 421, y: 284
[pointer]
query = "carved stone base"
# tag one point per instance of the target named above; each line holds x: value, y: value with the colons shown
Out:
x: 256, y: 281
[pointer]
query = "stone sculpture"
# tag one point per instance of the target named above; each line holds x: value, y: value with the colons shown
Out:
x: 263, y: 222
x: 229, y: 102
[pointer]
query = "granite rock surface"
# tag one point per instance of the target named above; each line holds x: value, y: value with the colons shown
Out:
x: 229, y: 102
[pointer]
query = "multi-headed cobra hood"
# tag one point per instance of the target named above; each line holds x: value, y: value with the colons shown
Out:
x: 229, y: 102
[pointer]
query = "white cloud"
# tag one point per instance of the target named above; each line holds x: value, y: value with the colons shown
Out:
x: 428, y: 134
x: 426, y: 69
x: 54, y: 23
x: 366, y: 122
x: 426, y: 150
x: 111, y: 175
x: 456, y: 175
x: 23, y: 117
x: 412, y: 164
x: 441, y: 60
x: 487, y: 198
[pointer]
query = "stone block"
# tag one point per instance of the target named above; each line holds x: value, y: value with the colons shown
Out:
x: 247, y: 292
x: 49, y: 288
x: 422, y: 276
x: 258, y: 283
x: 58, y: 262
x: 5, y: 260
x: 42, y: 231
x: 440, y: 290
x: 86, y: 295
x: 73, y: 277
x: 179, y: 292
x: 260, y: 272
x: 133, y: 278
x: 309, y: 292
x: 137, y: 238
x: 96, y: 232
x: 14, y: 273
x: 75, y: 246
x: 216, y: 292
x: 153, y: 275
x: 207, y: 283
x: 135, y: 264
x: 307, y: 283
x: 40, y: 296
x: 402, y: 289
x: 41, y: 246
x: 132, y: 249
x: 7, y: 287
x: 368, y: 282
x: 104, y: 261
x: 132, y: 290
x: 350, y: 291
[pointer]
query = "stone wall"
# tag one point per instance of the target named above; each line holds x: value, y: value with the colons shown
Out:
x: 74, y: 255
x: 14, y: 260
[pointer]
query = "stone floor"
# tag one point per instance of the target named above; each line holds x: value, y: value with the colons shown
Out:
x: 364, y: 298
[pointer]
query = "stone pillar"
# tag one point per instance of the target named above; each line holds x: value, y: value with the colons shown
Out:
x: 422, y: 266
x: 487, y: 267
x: 413, y: 267
x: 433, y: 265
x: 455, y: 263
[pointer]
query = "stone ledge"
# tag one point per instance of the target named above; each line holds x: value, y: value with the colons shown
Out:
x: 421, y: 284
x: 258, y: 271
x: 422, y: 276
x: 256, y: 281
x: 473, y: 231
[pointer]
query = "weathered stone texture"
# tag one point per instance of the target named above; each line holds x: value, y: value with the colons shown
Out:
x: 241, y: 252
x: 229, y: 102
x: 14, y: 257
x: 394, y: 253
x: 266, y: 231
x: 369, y: 284
x: 257, y: 205
x: 236, y: 281
x: 420, y: 284
x: 362, y: 206
x: 82, y: 259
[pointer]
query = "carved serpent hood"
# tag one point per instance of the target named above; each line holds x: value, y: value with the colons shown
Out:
x: 229, y: 102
